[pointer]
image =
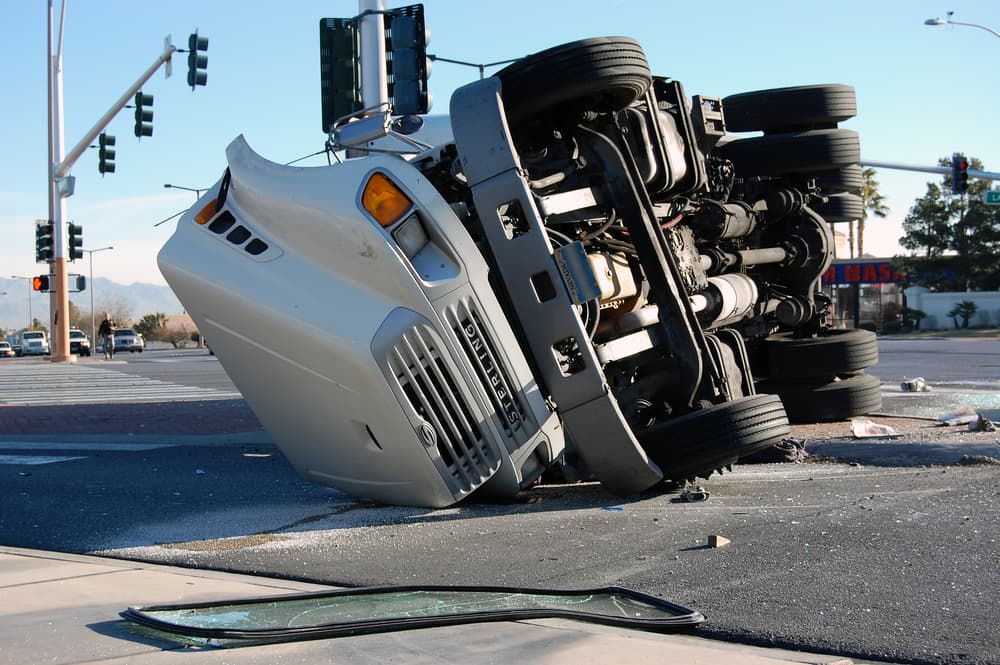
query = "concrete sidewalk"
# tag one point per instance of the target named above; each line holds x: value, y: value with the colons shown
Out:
x: 63, y: 608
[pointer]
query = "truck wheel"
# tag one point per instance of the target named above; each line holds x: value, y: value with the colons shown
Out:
x: 840, y: 208
x: 834, y: 400
x: 793, y: 153
x: 790, y: 109
x: 849, y: 179
x: 832, y: 353
x: 601, y: 74
x: 699, y: 443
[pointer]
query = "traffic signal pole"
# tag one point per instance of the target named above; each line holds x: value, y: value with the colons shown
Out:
x: 61, y: 184
x: 373, y: 75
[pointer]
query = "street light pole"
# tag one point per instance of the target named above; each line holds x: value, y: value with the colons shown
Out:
x: 948, y: 21
x: 30, y: 289
x: 93, y: 324
x: 197, y: 192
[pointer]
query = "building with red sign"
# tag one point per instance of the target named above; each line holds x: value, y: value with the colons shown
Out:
x: 865, y: 292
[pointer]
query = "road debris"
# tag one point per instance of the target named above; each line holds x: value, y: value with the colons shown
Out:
x: 964, y: 416
x: 789, y: 449
x: 716, y: 541
x: 982, y: 425
x: 978, y: 460
x: 695, y: 494
x: 917, y: 385
x: 866, y: 428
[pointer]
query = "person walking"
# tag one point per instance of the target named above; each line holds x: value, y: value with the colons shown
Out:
x: 107, y: 334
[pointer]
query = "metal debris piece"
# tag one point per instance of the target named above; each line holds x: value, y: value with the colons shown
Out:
x: 964, y: 416
x: 694, y: 494
x: 917, y: 385
x: 715, y: 541
x: 788, y: 449
x: 982, y: 425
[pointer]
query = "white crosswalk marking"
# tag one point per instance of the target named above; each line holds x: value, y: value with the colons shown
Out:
x: 47, y: 385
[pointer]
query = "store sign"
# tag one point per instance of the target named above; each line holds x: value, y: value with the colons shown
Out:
x: 869, y: 272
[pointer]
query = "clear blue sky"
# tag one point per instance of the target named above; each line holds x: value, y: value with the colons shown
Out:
x: 923, y: 92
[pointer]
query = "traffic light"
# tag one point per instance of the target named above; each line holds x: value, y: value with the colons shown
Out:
x: 75, y: 233
x: 406, y: 63
x: 197, y: 62
x: 106, y: 152
x: 340, y: 80
x: 41, y: 284
x: 959, y: 174
x: 143, y: 115
x: 44, y: 242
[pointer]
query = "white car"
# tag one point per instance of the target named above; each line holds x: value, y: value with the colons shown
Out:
x: 129, y: 340
x: 79, y: 343
x: 6, y: 350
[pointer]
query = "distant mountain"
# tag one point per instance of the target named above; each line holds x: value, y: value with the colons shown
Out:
x: 138, y: 299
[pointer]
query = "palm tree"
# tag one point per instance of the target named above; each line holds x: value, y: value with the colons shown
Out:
x: 871, y: 200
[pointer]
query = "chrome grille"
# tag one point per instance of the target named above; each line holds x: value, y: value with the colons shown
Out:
x: 481, y: 350
x: 431, y: 390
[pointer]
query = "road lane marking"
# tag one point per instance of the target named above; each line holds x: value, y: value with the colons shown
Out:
x: 85, y: 447
x: 31, y: 460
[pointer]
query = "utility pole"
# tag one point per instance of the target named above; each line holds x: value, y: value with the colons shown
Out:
x: 61, y: 183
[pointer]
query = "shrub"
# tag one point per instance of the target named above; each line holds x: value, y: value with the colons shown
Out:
x: 964, y: 310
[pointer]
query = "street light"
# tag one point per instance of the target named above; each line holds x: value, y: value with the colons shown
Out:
x: 93, y: 328
x: 30, y: 290
x: 948, y: 21
x: 197, y: 192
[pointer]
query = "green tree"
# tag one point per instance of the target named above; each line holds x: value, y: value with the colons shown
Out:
x: 152, y: 326
x: 119, y: 311
x: 964, y: 310
x: 954, y: 240
x: 872, y: 201
x: 78, y: 318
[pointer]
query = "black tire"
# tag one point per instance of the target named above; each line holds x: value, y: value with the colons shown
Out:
x: 833, y: 353
x: 793, y: 153
x: 834, y: 400
x: 696, y: 444
x: 790, y: 109
x: 840, y: 208
x: 600, y: 74
x: 849, y: 179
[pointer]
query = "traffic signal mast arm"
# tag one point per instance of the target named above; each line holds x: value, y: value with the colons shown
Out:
x: 940, y: 170
x: 62, y: 169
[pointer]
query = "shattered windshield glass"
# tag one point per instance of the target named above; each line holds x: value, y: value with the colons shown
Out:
x: 383, y: 609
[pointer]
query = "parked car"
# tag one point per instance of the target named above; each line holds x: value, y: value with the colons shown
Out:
x: 129, y: 340
x: 33, y: 343
x: 6, y: 350
x: 590, y: 276
x: 79, y: 343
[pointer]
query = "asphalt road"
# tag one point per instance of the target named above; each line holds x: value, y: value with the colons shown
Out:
x: 878, y: 563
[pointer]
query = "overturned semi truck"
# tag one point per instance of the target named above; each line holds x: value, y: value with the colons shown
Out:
x: 590, y: 275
